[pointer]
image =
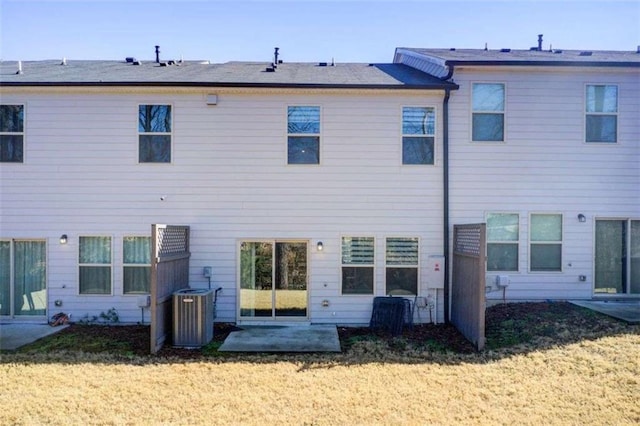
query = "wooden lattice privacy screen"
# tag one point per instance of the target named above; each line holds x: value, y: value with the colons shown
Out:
x: 169, y: 272
x: 468, y: 283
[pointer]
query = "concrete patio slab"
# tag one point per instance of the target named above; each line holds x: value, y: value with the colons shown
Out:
x: 625, y: 310
x: 307, y: 338
x: 16, y: 335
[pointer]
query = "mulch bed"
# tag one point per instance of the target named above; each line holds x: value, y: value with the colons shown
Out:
x: 441, y: 335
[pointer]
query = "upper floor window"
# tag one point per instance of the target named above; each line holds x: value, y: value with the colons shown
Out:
x: 601, y: 124
x: 136, y: 261
x: 418, y: 135
x: 154, y: 133
x: 488, y: 112
x: 303, y: 128
x: 11, y: 133
x: 402, y: 266
x: 502, y: 241
x: 357, y: 265
x: 95, y: 265
x: 546, y: 243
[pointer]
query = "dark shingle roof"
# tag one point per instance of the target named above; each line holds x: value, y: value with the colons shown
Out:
x: 232, y: 74
x: 556, y: 57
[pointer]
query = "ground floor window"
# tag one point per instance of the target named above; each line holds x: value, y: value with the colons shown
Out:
x: 358, y: 254
x: 617, y: 256
x: 273, y: 279
x: 23, y: 278
x: 502, y: 241
x: 401, y: 266
x: 136, y: 270
x: 94, y: 261
x: 545, y: 251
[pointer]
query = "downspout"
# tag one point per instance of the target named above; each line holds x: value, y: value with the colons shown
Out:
x: 445, y: 190
x: 445, y: 201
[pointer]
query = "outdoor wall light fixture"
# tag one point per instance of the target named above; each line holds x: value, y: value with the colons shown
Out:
x: 582, y: 218
x: 63, y: 239
x: 320, y: 246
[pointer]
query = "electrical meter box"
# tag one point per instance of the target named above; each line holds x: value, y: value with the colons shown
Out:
x: 435, y: 272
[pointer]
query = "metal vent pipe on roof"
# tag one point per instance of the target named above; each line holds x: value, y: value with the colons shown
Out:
x: 157, y: 54
x: 540, y: 42
x: 275, y: 55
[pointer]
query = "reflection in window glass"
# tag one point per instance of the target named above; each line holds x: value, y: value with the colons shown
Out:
x: 546, y: 242
x: 502, y: 241
x: 11, y: 133
x: 154, y: 139
x: 601, y: 123
x: 488, y: 101
x: 303, y: 121
x: 418, y: 130
x: 357, y: 265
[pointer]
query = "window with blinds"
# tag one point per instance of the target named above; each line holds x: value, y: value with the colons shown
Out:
x: 136, y: 269
x: 402, y: 266
x: 358, y: 256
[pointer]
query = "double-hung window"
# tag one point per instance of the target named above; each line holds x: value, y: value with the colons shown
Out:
x: 601, y: 123
x: 358, y: 256
x: 488, y: 112
x: 546, y: 243
x: 136, y: 252
x: 95, y: 265
x: 154, y: 133
x: 303, y: 141
x: 502, y: 241
x: 418, y: 135
x: 11, y: 133
x: 402, y: 266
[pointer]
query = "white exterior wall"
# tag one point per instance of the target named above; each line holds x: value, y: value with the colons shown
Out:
x: 544, y: 165
x: 229, y: 180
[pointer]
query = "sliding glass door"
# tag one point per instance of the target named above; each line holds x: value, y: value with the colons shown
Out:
x: 23, y: 278
x: 617, y: 257
x: 273, y: 279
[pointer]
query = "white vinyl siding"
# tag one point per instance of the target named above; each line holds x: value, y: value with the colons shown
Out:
x: 358, y: 265
x: 545, y: 238
x: 418, y: 135
x: 229, y: 181
x: 402, y: 266
x: 11, y: 133
x: 601, y: 108
x: 488, y: 112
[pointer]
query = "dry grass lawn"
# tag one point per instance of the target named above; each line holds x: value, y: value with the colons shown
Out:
x: 587, y: 378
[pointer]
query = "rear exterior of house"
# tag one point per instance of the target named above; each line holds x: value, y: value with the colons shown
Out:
x: 310, y: 189
x: 265, y: 169
x: 544, y: 146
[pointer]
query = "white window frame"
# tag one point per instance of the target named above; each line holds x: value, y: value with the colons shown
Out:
x: 416, y: 266
x: 110, y: 265
x: 432, y: 135
x: 372, y: 265
x: 615, y: 114
x: 503, y: 112
x: 23, y: 133
x: 170, y: 134
x: 516, y: 243
x: 561, y: 242
x: 133, y: 265
x: 318, y: 135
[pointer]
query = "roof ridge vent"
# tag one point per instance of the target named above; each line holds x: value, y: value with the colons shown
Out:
x: 322, y: 64
x: 586, y: 53
x: 505, y: 50
x: 557, y: 51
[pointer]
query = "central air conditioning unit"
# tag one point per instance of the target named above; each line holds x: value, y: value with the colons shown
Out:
x: 192, y: 317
